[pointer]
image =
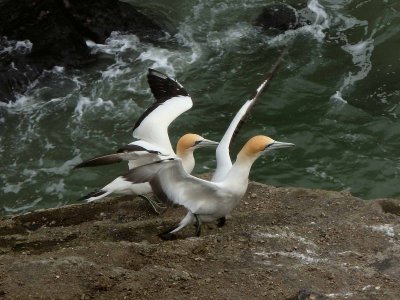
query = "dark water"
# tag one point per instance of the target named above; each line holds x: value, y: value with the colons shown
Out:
x: 337, y: 97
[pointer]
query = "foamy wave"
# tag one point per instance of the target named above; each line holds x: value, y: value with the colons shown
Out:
x: 115, y: 43
x: 12, y: 188
x: 337, y: 99
x: 65, y: 168
x: 316, y: 30
x: 21, y: 104
x: 57, y: 188
x: 15, y: 47
x: 317, y: 172
x: 22, y: 208
x: 84, y: 104
x: 361, y: 54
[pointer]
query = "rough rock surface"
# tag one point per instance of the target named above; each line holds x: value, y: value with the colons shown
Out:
x: 57, y: 31
x: 281, y: 243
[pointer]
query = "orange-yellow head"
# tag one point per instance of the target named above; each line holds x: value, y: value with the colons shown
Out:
x: 259, y: 144
x: 191, y: 141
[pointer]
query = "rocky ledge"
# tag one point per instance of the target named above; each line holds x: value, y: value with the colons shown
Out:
x: 281, y: 243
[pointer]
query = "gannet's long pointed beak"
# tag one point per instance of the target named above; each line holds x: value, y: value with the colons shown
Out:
x: 205, y: 143
x: 279, y: 145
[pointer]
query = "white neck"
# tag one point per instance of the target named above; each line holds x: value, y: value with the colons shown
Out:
x: 188, y: 161
x: 240, y: 169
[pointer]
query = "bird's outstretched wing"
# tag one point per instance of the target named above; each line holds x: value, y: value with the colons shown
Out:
x: 224, y: 162
x: 171, y: 101
x: 171, y: 183
x: 138, y: 150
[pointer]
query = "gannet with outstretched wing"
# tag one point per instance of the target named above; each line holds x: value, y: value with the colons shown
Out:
x: 139, y: 155
x: 206, y: 201
x: 152, y: 131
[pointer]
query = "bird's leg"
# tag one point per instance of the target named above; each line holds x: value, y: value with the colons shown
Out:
x: 198, y: 225
x: 157, y: 207
x: 221, y: 222
x: 170, y: 233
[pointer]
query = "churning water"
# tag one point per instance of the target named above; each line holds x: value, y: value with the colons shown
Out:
x: 336, y: 96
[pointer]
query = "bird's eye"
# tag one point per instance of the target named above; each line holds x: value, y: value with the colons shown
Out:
x: 269, y: 145
x: 197, y: 142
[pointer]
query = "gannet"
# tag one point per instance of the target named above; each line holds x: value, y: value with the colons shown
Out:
x: 139, y: 155
x: 152, y: 131
x: 206, y: 201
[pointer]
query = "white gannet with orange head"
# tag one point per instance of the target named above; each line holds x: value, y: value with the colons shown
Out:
x: 147, y: 153
x: 152, y: 131
x: 206, y: 201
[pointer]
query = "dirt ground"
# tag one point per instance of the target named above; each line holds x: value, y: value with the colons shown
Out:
x: 281, y: 243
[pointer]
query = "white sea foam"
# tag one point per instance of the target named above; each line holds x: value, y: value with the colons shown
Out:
x: 86, y: 103
x: 321, y: 19
x: 316, y: 30
x: 12, y: 188
x: 65, y: 168
x: 231, y: 37
x: 23, y: 103
x: 22, y: 208
x: 29, y: 173
x: 361, y: 55
x: 115, y: 44
x: 15, y: 47
x: 57, y: 188
x: 360, y: 51
x: 338, y: 99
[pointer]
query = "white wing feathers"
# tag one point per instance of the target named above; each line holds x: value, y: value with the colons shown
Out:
x: 154, y: 128
x: 224, y: 162
x: 171, y: 101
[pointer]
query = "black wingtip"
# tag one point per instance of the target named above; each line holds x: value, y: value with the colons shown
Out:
x: 256, y: 96
x: 92, y: 194
x: 153, y: 72
x: 163, y: 87
x: 99, y: 161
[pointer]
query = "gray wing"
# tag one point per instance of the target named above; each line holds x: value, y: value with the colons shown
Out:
x: 133, y: 151
x: 170, y: 182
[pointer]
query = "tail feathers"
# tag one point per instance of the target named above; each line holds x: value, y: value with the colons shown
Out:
x: 95, y: 195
